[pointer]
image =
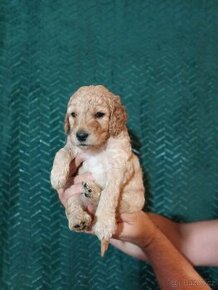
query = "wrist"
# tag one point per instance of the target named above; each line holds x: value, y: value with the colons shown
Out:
x: 149, y: 232
x: 147, y: 245
x: 151, y: 236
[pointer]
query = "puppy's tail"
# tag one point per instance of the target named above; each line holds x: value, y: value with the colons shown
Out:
x: 104, y: 246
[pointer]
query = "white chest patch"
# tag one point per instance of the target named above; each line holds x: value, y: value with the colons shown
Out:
x: 99, y: 165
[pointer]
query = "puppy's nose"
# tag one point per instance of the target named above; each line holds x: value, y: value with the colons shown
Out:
x: 82, y: 135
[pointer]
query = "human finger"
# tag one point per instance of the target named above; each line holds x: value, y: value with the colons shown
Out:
x: 136, y: 228
x: 76, y: 162
x: 123, y: 231
x: 127, y: 217
x: 60, y: 191
x: 133, y: 218
x: 65, y: 195
x: 82, y: 177
x: 91, y: 232
x: 129, y: 249
x: 79, y: 159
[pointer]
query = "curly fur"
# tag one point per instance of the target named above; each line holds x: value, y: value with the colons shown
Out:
x: 108, y: 156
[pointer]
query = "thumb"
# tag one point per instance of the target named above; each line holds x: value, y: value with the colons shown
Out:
x: 129, y: 218
x: 125, y: 225
x: 79, y: 159
x: 75, y: 163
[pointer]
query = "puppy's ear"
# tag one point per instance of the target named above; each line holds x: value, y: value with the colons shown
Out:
x: 118, y: 117
x: 66, y: 120
x: 66, y: 124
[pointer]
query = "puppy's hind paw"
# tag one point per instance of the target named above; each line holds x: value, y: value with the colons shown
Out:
x: 80, y: 224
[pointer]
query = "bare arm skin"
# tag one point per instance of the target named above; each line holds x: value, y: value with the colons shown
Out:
x: 200, y: 242
x: 170, y: 266
x: 197, y: 241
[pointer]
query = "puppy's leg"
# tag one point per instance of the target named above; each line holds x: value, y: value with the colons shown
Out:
x: 132, y: 201
x: 79, y: 220
x: 61, y: 168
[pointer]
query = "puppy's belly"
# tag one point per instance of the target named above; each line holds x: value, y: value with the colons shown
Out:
x: 98, y: 166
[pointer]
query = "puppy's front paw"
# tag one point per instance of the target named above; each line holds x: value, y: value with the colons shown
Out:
x: 60, y: 169
x: 91, y: 191
x: 59, y: 178
x: 105, y: 228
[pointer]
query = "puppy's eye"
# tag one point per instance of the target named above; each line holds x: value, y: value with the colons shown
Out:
x: 73, y: 114
x: 99, y: 115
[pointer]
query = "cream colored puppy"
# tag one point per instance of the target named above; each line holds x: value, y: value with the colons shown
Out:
x: 96, y: 126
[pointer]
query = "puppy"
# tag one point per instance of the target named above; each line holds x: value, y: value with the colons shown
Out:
x: 95, y: 125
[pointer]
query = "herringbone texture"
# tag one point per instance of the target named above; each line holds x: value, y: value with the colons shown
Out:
x: 162, y: 58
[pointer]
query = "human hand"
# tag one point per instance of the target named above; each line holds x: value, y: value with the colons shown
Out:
x: 75, y: 182
x: 135, y: 228
x: 129, y: 248
x: 168, y: 227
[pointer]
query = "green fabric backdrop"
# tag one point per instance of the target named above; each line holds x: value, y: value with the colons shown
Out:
x: 161, y: 56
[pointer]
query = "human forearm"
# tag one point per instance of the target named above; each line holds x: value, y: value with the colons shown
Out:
x: 197, y: 241
x: 170, y: 266
x: 200, y: 242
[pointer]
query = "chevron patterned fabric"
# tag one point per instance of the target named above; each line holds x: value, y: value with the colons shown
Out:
x: 162, y: 57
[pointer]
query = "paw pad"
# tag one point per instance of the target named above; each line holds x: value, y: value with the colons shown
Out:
x: 87, y: 190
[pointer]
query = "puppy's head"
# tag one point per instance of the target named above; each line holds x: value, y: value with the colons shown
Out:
x: 93, y: 115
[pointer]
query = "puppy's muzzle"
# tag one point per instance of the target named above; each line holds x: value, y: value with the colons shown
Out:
x: 82, y: 135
